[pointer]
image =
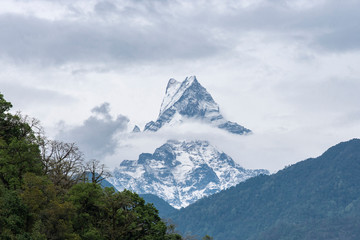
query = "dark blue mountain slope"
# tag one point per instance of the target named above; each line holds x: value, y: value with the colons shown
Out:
x: 318, y: 198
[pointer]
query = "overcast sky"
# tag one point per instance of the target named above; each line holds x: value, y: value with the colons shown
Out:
x: 91, y: 69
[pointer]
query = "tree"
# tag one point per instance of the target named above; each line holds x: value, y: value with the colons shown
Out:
x: 19, y: 151
x: 87, y: 201
x: 41, y: 196
x: 51, y: 217
x: 95, y: 172
x: 13, y: 215
x: 117, y: 217
x: 19, y: 154
x: 147, y: 224
x: 106, y: 214
x: 171, y: 233
x: 63, y: 162
x: 207, y: 237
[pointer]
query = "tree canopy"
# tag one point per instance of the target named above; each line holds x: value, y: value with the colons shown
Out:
x: 42, y: 195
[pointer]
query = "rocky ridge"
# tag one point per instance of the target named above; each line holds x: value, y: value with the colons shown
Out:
x: 181, y: 172
x: 189, y: 100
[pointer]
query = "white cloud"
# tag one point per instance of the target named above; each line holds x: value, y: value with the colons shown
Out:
x: 140, y: 32
x: 288, y: 70
x: 270, y: 150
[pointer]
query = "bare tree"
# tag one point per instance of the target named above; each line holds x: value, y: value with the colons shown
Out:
x: 31, y: 128
x: 95, y: 171
x: 63, y: 162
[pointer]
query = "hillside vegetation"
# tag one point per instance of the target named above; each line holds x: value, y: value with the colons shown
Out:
x: 313, y: 199
x: 44, y: 194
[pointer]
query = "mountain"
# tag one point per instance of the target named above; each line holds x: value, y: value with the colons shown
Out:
x: 189, y: 100
x: 161, y: 205
x: 136, y: 129
x: 181, y: 172
x: 318, y: 198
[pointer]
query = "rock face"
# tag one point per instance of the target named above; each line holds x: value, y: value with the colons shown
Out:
x: 136, y: 129
x: 190, y: 100
x: 181, y: 172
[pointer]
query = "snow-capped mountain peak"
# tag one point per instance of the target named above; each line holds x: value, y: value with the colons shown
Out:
x: 181, y: 172
x: 190, y: 100
x: 174, y: 91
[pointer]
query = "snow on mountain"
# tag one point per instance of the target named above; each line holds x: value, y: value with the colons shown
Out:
x: 190, y: 100
x: 172, y: 94
x: 181, y: 172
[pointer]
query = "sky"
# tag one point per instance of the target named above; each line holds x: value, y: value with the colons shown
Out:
x: 90, y: 70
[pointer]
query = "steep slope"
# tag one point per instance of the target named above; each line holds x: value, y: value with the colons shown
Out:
x: 313, y: 199
x: 181, y: 172
x: 161, y: 205
x: 189, y: 100
x: 136, y: 129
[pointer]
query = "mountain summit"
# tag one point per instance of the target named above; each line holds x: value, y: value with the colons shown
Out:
x: 189, y: 100
x: 181, y: 172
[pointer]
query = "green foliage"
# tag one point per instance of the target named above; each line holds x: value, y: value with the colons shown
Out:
x: 86, y: 199
x: 19, y: 152
x: 14, y: 215
x: 41, y: 199
x: 4, y: 105
x: 50, y: 215
x: 173, y: 236
x: 113, y: 215
x: 207, y: 237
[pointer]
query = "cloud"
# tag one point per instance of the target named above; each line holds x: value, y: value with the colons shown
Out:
x: 28, y: 39
x: 22, y: 94
x: 335, y: 95
x: 103, y: 111
x: 285, y: 69
x: 129, y: 32
x: 271, y: 150
x: 105, y: 7
x: 345, y: 39
x: 95, y: 136
x: 254, y: 151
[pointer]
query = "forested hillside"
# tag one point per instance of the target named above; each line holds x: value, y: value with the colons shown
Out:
x: 164, y: 208
x: 45, y: 194
x: 313, y: 199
